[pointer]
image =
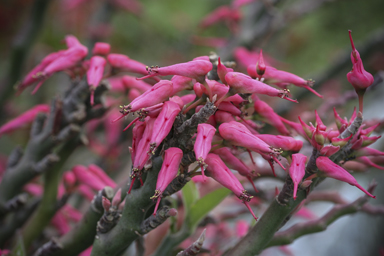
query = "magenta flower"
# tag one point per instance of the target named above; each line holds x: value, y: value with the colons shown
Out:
x: 95, y: 74
x: 163, y: 124
x: 67, y: 59
x: 244, y: 84
x: 32, y: 77
x: 131, y: 82
x: 269, y: 115
x: 101, y: 48
x: 196, y: 69
x: 222, y: 71
x: 239, y: 135
x: 137, y: 134
x: 220, y: 172
x: 96, y: 170
x: 260, y: 65
x: 84, y: 176
x: 235, y: 163
x: 123, y: 62
x: 330, y: 169
x: 282, y: 78
x: 222, y: 13
x: 230, y: 108
x: 223, y: 117
x: 358, y: 77
x: 181, y: 83
x: 24, y: 119
x: 157, y: 94
x: 202, y: 144
x: 285, y: 143
x: 168, y: 171
x: 297, y: 170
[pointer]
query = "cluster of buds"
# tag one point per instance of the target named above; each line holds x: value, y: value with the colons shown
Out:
x: 162, y: 106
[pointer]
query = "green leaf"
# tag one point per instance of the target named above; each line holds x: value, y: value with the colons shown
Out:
x: 190, y: 195
x: 204, y: 205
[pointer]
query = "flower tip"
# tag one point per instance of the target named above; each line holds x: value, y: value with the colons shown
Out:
x: 250, y: 210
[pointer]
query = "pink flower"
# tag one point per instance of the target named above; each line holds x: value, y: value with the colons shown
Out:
x: 31, y: 77
x: 101, y: 48
x: 203, y: 142
x: 123, y: 62
x: 84, y: 176
x: 157, y: 94
x: 241, y: 228
x: 222, y: 71
x: 24, y: 119
x: 220, y: 172
x: 285, y: 143
x: 269, y: 116
x: 163, y: 124
x: 330, y: 169
x: 96, y: 170
x: 181, y: 83
x: 280, y: 77
x: 260, y: 65
x: 72, y: 41
x: 65, y: 60
x: 358, y: 77
x: 239, y: 135
x: 168, y: 171
x: 222, y: 13
x: 244, y: 84
x: 95, y: 74
x: 137, y: 134
x: 297, y: 170
x: 196, y: 69
x: 131, y: 82
x: 141, y: 152
x: 235, y: 163
x: 223, y: 117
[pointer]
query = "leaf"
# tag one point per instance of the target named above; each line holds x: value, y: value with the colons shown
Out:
x: 190, y: 195
x: 204, y: 205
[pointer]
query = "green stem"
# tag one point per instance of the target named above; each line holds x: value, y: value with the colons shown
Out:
x: 262, y: 233
x: 48, y: 205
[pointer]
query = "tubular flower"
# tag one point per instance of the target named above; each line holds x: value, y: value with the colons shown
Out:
x: 203, y: 145
x: 95, y: 74
x: 297, y: 170
x: 284, y: 143
x: 220, y: 172
x: 84, y: 176
x: 157, y: 94
x: 244, y: 84
x: 181, y: 83
x: 24, y: 119
x: 358, y: 77
x: 65, y: 59
x: 235, y: 163
x: 260, y: 65
x: 130, y: 82
x: 163, y: 124
x: 123, y: 62
x: 222, y: 71
x: 141, y: 152
x: 282, y: 78
x: 168, y: 171
x: 268, y: 115
x: 32, y: 77
x: 196, y: 69
x: 101, y: 48
x: 239, y: 135
x: 330, y: 169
